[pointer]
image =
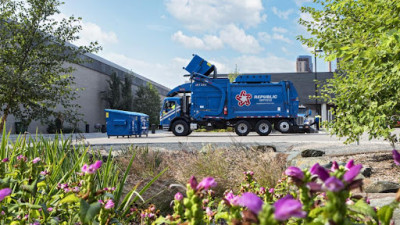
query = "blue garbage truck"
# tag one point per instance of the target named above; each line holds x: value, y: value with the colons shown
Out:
x: 249, y: 103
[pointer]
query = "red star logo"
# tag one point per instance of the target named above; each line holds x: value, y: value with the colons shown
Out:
x: 243, y: 98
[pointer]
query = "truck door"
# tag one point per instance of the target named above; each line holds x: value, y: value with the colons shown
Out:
x: 170, y: 110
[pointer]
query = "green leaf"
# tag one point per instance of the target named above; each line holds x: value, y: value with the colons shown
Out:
x: 362, y: 207
x: 385, y: 214
x: 89, y: 212
x: 70, y: 199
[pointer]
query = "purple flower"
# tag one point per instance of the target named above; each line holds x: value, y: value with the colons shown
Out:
x: 4, y: 192
x: 334, y: 184
x: 271, y: 190
x: 251, y: 201
x: 49, y: 209
x: 95, y: 166
x: 396, y: 157
x: 209, y: 212
x: 36, y: 160
x: 206, y: 183
x: 320, y: 171
x: 5, y: 160
x: 109, y: 204
x: 44, y: 173
x: 178, y: 196
x: 193, y: 182
x: 21, y: 157
x: 335, y: 166
x: 294, y: 172
x: 85, y: 168
x: 352, y: 173
x: 262, y: 190
x: 349, y: 164
x: 288, y: 207
x: 231, y: 198
x: 313, y: 186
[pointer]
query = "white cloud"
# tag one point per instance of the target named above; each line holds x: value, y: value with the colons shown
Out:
x: 231, y: 35
x: 279, y: 30
x: 93, y: 32
x: 264, y: 37
x: 280, y: 37
x: 268, y: 64
x: 285, y: 50
x: 238, y: 40
x: 169, y: 74
x: 211, y: 15
x: 301, y: 2
x: 90, y: 32
x: 282, y: 14
x: 209, y: 42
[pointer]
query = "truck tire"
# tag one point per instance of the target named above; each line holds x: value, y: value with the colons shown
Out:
x: 180, y: 128
x: 284, y: 126
x: 263, y: 127
x: 242, y: 128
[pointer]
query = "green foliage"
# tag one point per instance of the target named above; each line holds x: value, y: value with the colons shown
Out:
x: 232, y: 76
x: 365, y: 35
x: 147, y: 100
x: 35, y: 60
x: 52, y: 183
x: 119, y: 94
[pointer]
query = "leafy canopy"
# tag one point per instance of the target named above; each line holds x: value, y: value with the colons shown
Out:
x: 147, y: 100
x: 36, y: 60
x: 365, y: 35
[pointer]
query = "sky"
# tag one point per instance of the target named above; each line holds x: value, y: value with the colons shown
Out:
x: 156, y: 38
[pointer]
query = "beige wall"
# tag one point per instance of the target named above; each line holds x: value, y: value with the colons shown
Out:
x: 90, y: 100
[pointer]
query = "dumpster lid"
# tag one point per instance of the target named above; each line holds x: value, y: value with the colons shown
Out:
x: 125, y: 112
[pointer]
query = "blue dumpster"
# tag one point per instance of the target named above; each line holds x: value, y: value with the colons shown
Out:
x: 124, y: 123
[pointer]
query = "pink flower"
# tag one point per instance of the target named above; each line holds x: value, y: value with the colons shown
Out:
x: 209, y: 212
x: 4, y: 192
x: 262, y: 190
x: 313, y: 186
x: 36, y: 160
x: 50, y: 209
x: 193, y: 182
x: 178, y: 196
x: 85, y: 168
x: 271, y: 190
x: 352, y: 173
x: 21, y: 157
x: 206, y: 183
x: 396, y: 157
x: 349, y: 164
x: 95, y: 166
x: 335, y: 166
x: 5, y: 160
x: 251, y: 201
x: 294, y: 172
x: 44, y: 173
x: 288, y: 207
x: 333, y: 184
x: 320, y: 171
x: 232, y: 199
x: 109, y: 204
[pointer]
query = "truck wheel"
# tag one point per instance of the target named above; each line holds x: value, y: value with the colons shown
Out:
x: 180, y: 128
x: 242, y: 128
x: 284, y: 126
x: 263, y: 127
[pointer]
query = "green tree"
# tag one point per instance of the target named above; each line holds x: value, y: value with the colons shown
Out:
x: 35, y: 60
x: 232, y: 76
x: 147, y: 100
x: 127, y: 95
x: 366, y: 36
x: 113, y: 95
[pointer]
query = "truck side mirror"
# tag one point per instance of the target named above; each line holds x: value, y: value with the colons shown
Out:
x: 309, y: 112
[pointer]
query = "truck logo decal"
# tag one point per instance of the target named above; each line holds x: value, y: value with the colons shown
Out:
x: 243, y: 98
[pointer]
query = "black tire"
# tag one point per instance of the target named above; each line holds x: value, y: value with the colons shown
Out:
x: 180, y: 128
x: 190, y: 131
x: 263, y: 127
x: 284, y: 126
x: 242, y: 128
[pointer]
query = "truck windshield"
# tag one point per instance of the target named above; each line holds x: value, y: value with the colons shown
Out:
x: 302, y: 111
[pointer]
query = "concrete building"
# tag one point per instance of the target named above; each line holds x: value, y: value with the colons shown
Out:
x: 304, y: 64
x: 92, y: 77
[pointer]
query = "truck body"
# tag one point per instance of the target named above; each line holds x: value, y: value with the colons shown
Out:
x: 250, y: 103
